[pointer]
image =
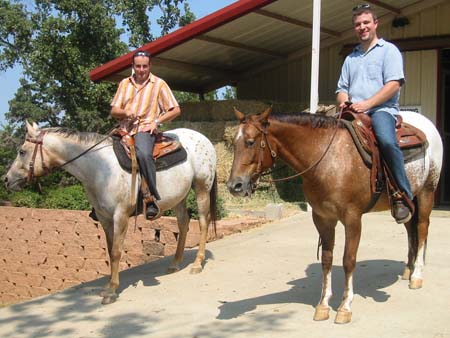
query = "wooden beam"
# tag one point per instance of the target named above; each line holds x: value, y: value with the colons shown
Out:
x: 385, y: 6
x: 241, y: 46
x: 198, y: 69
x: 295, y: 22
x: 411, y: 44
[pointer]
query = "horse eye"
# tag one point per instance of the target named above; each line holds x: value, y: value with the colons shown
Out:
x: 21, y: 152
x: 250, y: 142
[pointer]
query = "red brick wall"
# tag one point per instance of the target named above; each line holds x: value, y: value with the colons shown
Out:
x: 43, y: 251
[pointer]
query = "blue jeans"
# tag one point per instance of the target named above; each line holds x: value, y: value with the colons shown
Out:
x: 383, y: 125
x: 145, y: 143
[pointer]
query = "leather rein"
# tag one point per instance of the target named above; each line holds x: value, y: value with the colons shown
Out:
x: 262, y: 147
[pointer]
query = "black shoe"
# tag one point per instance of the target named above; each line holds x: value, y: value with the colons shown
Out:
x: 402, y: 214
x: 151, y: 211
x: 93, y: 215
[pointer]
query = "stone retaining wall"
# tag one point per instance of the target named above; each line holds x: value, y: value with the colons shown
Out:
x: 44, y: 251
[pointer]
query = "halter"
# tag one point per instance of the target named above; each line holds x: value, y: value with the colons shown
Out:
x: 38, y: 142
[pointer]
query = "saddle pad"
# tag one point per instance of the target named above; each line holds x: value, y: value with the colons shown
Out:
x: 163, y: 162
x: 409, y: 152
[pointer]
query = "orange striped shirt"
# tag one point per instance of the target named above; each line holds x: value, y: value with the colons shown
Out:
x: 152, y: 100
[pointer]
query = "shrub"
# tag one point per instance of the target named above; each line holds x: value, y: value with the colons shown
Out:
x: 26, y: 198
x: 72, y: 197
x: 191, y: 204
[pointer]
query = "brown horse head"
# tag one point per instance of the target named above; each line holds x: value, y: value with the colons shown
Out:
x: 253, y: 152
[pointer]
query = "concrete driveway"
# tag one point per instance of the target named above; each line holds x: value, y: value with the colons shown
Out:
x: 261, y: 283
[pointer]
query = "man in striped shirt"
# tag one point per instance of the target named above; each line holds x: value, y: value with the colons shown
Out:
x: 143, y: 102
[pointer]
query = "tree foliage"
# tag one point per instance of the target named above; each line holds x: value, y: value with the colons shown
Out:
x: 57, y: 43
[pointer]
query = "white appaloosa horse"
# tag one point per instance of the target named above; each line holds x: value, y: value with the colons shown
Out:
x: 336, y: 183
x: 108, y: 186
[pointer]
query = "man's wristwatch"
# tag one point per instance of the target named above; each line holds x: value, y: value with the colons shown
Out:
x: 157, y: 122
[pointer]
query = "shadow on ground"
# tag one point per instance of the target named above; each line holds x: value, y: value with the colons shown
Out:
x: 370, y: 278
x: 80, y: 305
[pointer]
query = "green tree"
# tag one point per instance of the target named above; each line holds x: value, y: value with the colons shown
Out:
x: 57, y: 43
x: 229, y: 93
x: 193, y: 97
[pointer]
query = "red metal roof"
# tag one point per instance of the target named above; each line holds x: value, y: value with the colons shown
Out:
x: 181, y: 35
x: 249, y: 37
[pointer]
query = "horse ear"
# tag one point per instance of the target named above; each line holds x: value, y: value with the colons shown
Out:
x: 266, y: 113
x: 32, y: 130
x: 240, y: 116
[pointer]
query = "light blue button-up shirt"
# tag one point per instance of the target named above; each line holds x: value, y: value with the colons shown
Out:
x: 365, y: 73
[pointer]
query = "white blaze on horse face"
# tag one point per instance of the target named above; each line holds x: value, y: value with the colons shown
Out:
x: 239, y: 134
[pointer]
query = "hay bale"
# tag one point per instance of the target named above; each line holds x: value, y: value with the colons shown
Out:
x: 325, y: 109
x: 229, y: 133
x: 224, y: 161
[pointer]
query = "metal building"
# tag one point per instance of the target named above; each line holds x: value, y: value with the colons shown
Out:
x: 263, y: 47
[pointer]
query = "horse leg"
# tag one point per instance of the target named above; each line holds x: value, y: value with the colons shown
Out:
x: 352, y: 237
x: 183, y: 225
x: 417, y: 237
x: 119, y: 230
x: 109, y: 233
x: 326, y: 229
x: 203, y: 202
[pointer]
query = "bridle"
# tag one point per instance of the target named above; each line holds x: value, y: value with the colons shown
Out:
x: 262, y: 146
x: 38, y: 144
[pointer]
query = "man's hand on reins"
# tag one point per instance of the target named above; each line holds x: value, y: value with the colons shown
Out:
x: 153, y: 127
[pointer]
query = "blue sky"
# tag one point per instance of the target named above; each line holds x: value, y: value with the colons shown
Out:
x: 9, y: 80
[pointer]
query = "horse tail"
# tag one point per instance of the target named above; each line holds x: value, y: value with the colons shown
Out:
x: 213, y: 204
x: 415, y: 229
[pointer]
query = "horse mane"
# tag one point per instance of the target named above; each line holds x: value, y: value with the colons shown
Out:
x: 304, y: 118
x: 78, y: 136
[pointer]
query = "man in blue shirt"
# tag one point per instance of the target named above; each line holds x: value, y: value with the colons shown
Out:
x: 371, y: 78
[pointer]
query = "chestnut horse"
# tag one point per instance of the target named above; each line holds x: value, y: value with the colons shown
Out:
x: 109, y: 187
x: 336, y: 183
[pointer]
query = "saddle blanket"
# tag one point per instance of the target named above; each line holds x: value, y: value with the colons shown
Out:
x: 163, y: 162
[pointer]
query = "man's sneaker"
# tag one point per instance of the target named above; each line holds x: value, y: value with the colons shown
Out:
x: 402, y: 214
x: 151, y: 211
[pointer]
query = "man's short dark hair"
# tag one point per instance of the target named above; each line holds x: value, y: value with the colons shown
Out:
x: 363, y: 8
x: 142, y: 53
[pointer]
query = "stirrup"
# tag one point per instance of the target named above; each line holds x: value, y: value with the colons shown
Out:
x: 397, y: 197
x: 146, y: 201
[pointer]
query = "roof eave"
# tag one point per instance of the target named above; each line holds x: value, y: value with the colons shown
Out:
x: 181, y: 35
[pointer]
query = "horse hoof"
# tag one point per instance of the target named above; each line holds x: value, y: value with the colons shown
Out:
x: 321, y: 313
x: 406, y: 274
x: 343, y: 317
x: 196, y: 269
x: 415, y: 284
x: 109, y: 299
x: 173, y: 269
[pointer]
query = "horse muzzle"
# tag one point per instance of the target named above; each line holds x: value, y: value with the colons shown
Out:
x: 241, y: 186
x: 14, y: 183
